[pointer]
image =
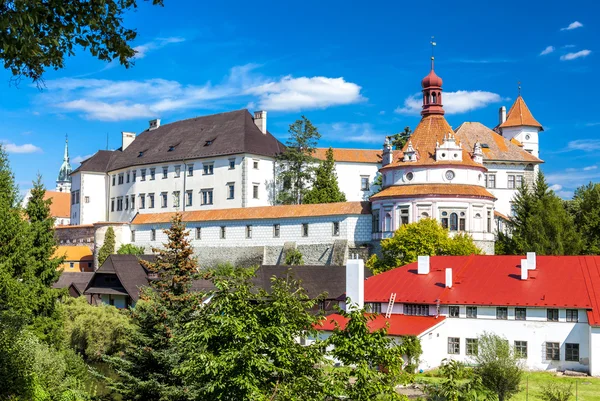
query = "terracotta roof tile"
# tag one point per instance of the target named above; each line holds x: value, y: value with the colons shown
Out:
x: 431, y: 130
x: 259, y: 213
x: 458, y: 190
x: 353, y: 155
x: 61, y: 203
x: 519, y: 115
x: 500, y: 215
x: 495, y: 146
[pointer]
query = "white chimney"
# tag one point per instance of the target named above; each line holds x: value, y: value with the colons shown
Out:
x: 355, y: 284
x: 127, y: 139
x: 531, y: 261
x: 154, y: 124
x: 260, y: 119
x: 502, y: 114
x: 423, y: 265
x: 524, y: 269
x: 448, y: 277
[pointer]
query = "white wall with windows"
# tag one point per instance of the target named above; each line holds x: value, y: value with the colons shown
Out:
x: 503, y: 181
x: 357, y: 180
x: 451, y: 174
x: 88, y: 200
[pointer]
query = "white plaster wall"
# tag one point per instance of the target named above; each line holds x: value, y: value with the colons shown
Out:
x: 528, y: 136
x: 263, y: 177
x: 504, y: 194
x: 434, y: 175
x: 349, y: 179
x: 93, y: 186
x: 355, y: 229
x: 536, y: 330
x: 594, y: 338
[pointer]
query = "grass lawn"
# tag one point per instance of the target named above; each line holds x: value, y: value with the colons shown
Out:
x: 588, y: 388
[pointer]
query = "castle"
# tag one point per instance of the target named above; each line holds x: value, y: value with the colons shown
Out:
x: 219, y: 171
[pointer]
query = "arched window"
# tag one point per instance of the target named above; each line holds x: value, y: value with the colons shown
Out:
x: 453, y: 222
x: 387, y: 222
x: 439, y: 97
x: 434, y: 98
x: 426, y: 97
x: 424, y: 215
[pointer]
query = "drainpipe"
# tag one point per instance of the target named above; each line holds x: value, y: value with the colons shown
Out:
x: 244, y: 181
x: 183, y: 194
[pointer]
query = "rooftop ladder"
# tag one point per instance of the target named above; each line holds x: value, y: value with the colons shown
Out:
x: 388, y: 312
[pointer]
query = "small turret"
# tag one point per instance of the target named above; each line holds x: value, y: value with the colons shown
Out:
x: 477, y: 153
x: 410, y: 154
x: 387, y: 155
x: 449, y: 149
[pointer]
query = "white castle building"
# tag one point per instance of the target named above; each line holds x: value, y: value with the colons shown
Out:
x: 464, y: 177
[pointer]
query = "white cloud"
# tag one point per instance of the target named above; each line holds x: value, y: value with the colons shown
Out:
x: 454, y: 102
x: 547, y: 50
x: 573, y: 56
x: 572, y: 25
x: 351, y: 132
x: 142, y: 51
x: 586, y: 145
x: 556, y: 187
x: 109, y: 100
x: 382, y: 112
x: 25, y: 148
x: 571, y: 178
x: 590, y: 168
x: 79, y: 159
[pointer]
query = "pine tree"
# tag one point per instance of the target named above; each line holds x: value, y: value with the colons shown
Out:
x: 295, y: 164
x: 585, y: 209
x: 108, y: 248
x: 325, y: 189
x: 399, y: 140
x: 540, y: 224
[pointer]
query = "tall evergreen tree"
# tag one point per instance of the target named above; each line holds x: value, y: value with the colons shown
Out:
x: 399, y: 139
x: 295, y: 164
x: 585, y: 208
x: 108, y: 248
x: 325, y: 188
x: 540, y: 224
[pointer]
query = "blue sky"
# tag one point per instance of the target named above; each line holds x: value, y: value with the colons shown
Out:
x: 351, y: 67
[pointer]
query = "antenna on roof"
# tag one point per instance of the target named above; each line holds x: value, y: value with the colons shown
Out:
x: 107, y: 141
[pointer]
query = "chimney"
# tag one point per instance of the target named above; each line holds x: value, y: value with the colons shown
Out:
x: 423, y: 265
x: 355, y: 284
x: 531, y: 260
x: 260, y: 119
x: 524, y: 269
x: 448, y: 277
x: 502, y: 115
x: 154, y: 124
x: 127, y: 139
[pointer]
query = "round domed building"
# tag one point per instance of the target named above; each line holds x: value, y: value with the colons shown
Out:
x: 435, y: 176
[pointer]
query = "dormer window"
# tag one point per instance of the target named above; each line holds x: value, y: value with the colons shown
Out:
x: 209, y: 142
x: 171, y: 148
x: 141, y: 154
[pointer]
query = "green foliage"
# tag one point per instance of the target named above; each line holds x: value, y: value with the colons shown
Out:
x: 130, y: 249
x: 293, y: 257
x: 295, y: 164
x: 458, y: 384
x: 37, y: 35
x: 556, y: 392
x: 325, y: 188
x: 399, y: 140
x: 498, y: 366
x: 425, y: 237
x: 361, y: 351
x: 585, y: 209
x: 410, y: 347
x: 540, y: 224
x: 95, y: 331
x: 108, y: 248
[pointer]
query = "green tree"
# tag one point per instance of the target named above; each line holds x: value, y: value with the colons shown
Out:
x: 108, y: 248
x: 325, y: 188
x: 146, y: 368
x: 295, y: 163
x: 498, y: 365
x: 457, y: 384
x: 130, y: 249
x: 540, y: 224
x: 293, y: 257
x: 425, y: 237
x: 399, y: 139
x: 39, y: 34
x: 585, y: 209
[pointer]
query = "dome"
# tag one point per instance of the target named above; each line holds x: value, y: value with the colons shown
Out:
x: 431, y: 80
x: 65, y: 172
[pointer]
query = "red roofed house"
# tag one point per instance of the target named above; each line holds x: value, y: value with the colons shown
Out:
x: 548, y: 307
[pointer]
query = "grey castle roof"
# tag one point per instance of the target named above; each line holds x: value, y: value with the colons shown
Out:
x: 195, y: 138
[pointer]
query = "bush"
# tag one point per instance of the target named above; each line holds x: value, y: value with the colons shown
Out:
x: 130, y: 249
x: 294, y: 258
x: 556, y: 392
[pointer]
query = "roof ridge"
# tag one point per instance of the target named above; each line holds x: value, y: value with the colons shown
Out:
x: 196, y: 117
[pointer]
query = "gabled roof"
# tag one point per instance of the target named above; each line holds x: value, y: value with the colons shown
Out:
x: 494, y: 146
x: 214, y: 135
x: 132, y: 275
x: 433, y: 190
x: 259, y: 213
x: 397, y: 325
x: 557, y: 282
x: 79, y: 279
x: 519, y: 115
x: 431, y: 130
x: 352, y: 155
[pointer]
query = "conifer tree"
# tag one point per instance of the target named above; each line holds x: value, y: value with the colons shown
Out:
x: 585, y: 209
x: 325, y: 188
x: 108, y: 248
x: 399, y: 140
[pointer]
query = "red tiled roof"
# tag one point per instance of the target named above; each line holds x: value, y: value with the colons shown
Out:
x: 558, y: 282
x: 352, y: 155
x: 61, y: 203
x: 259, y: 213
x: 500, y: 215
x: 519, y: 115
x: 399, y: 325
x: 431, y: 130
x: 458, y: 190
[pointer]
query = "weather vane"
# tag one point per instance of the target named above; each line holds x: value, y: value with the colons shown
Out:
x: 432, y: 46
